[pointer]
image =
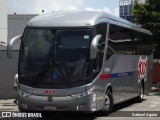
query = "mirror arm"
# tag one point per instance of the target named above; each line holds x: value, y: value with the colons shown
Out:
x: 10, y: 45
x: 94, y: 46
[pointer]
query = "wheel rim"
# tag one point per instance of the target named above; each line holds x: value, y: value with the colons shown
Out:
x: 141, y: 94
x: 107, y: 103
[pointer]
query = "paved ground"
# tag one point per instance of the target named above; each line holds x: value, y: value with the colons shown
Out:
x: 123, y: 111
x: 8, y: 105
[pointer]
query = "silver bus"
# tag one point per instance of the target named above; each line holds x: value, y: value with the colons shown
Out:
x: 82, y: 61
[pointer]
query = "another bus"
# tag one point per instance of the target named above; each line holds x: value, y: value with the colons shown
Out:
x: 82, y: 61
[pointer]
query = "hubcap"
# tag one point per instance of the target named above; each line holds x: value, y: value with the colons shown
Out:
x: 107, y: 103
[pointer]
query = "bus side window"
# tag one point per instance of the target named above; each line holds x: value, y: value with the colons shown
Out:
x: 120, y: 39
x: 110, y: 52
x: 102, y: 30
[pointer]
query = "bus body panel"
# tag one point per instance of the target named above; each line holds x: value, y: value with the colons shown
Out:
x: 62, y: 99
x: 124, y: 80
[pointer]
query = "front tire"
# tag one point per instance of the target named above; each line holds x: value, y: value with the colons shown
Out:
x: 108, y: 103
x: 21, y: 109
x: 141, y: 94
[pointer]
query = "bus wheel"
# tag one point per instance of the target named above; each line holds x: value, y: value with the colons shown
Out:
x: 141, y: 94
x: 108, y: 104
x: 21, y: 109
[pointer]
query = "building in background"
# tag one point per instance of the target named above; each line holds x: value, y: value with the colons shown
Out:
x: 3, y: 22
x: 8, y: 67
x: 126, y: 8
x: 16, y: 24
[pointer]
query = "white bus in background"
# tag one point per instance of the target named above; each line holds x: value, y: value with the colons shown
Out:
x: 82, y: 61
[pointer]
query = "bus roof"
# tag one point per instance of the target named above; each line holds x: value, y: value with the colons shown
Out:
x: 80, y: 19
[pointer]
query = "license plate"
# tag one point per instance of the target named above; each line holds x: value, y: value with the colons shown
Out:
x: 50, y: 108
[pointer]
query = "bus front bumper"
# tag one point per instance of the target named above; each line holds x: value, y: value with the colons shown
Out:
x: 41, y: 103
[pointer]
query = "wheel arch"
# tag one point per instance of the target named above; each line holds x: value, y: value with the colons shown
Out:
x: 143, y: 84
x: 109, y: 87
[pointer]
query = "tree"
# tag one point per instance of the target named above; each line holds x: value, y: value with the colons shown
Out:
x: 148, y: 16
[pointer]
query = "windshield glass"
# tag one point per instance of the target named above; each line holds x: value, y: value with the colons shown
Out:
x: 71, y: 61
x: 35, y: 56
x: 55, y: 58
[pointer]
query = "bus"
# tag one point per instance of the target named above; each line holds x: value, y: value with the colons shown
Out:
x: 82, y: 61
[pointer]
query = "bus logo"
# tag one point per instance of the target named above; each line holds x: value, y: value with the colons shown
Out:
x: 142, y: 69
x: 50, y: 99
x: 49, y: 92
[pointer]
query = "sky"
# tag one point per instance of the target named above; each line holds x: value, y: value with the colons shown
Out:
x: 36, y: 6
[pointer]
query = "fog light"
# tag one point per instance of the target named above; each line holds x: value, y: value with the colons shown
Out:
x: 94, y: 106
x: 94, y: 97
x: 80, y: 106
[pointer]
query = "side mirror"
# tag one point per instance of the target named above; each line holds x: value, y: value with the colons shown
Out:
x: 10, y: 45
x: 94, y: 46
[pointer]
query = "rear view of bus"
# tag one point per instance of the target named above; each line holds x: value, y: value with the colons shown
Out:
x: 66, y: 64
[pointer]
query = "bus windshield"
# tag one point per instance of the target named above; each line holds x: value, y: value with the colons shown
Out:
x: 52, y: 58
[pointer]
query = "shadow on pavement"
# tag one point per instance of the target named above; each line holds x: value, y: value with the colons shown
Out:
x: 125, y: 104
x: 154, y: 92
x: 118, y: 107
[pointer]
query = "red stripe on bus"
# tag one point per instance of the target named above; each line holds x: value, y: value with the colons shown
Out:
x: 105, y: 76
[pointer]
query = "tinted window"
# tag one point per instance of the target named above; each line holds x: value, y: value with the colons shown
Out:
x: 110, y: 52
x: 71, y: 63
x: 35, y: 55
x: 74, y: 39
x: 51, y: 58
x: 127, y: 41
x: 100, y: 29
x: 120, y: 39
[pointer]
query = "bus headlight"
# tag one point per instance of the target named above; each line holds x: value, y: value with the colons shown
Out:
x: 82, y: 94
x: 22, y: 93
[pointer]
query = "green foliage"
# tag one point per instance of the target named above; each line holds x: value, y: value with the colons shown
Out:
x: 148, y: 15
